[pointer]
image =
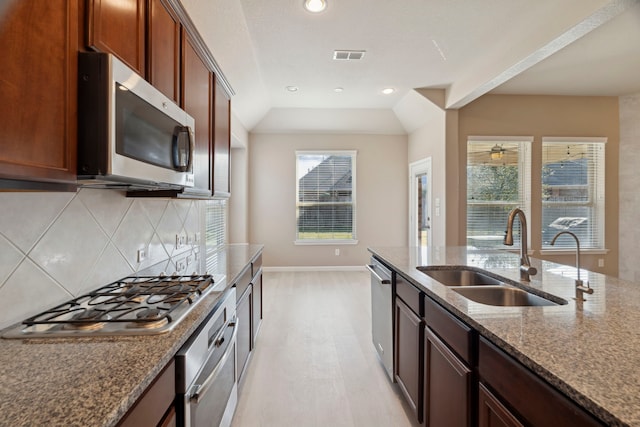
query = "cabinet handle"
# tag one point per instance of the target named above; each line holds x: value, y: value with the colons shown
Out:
x: 377, y: 276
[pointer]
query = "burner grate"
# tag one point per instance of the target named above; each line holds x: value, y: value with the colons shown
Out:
x: 139, y: 301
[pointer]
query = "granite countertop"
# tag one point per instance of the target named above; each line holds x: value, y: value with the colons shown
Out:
x: 590, y: 353
x: 89, y: 382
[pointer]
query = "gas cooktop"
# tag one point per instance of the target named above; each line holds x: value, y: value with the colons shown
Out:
x: 136, y: 305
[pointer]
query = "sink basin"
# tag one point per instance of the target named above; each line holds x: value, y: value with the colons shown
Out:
x: 504, y: 296
x: 460, y: 276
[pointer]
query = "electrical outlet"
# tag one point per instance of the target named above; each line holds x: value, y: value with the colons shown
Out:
x: 181, y: 265
x: 197, y: 238
x: 181, y: 240
x: 142, y: 255
x: 600, y: 262
x: 189, y: 259
x: 337, y: 252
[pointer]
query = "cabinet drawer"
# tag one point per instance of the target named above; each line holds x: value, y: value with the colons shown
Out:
x: 528, y: 395
x: 458, y: 336
x: 409, y: 294
x: 242, y: 283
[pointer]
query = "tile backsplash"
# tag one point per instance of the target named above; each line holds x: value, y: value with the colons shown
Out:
x: 54, y: 246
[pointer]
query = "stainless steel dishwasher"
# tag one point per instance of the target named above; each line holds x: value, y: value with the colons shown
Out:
x: 382, y: 313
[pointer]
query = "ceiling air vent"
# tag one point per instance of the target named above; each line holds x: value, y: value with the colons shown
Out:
x: 348, y: 55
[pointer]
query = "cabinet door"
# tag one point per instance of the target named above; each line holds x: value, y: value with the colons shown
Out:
x: 243, y: 313
x: 409, y: 355
x: 117, y: 27
x: 221, y: 141
x: 492, y: 413
x: 448, y: 386
x: 197, y: 93
x: 163, y: 56
x: 38, y: 81
x: 257, y: 306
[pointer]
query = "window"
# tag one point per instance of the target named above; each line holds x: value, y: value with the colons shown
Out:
x: 325, y: 196
x: 497, y: 181
x: 573, y: 191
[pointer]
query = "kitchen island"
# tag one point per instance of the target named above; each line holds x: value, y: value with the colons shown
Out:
x: 88, y: 382
x: 589, y: 353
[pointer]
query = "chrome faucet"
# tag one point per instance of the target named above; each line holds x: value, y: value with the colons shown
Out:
x: 580, y: 288
x: 525, y: 263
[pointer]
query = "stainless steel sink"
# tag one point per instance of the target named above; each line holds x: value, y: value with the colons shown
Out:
x: 479, y: 286
x: 504, y: 296
x: 460, y: 276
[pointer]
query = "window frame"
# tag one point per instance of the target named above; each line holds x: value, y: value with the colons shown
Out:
x: 525, y: 186
x: 596, y: 195
x: 298, y: 204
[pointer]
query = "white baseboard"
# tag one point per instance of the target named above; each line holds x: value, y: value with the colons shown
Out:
x: 315, y: 268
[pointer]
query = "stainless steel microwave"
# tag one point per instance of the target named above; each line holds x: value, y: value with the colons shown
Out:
x: 129, y: 133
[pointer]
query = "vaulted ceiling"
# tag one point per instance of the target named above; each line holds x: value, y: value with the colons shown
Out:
x: 466, y: 47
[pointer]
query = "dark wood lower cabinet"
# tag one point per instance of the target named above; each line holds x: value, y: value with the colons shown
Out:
x: 528, y: 396
x: 492, y: 413
x: 448, y: 391
x: 451, y: 376
x: 409, y: 347
x: 156, y: 406
x: 243, y: 313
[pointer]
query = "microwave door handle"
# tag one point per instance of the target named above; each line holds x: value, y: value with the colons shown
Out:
x: 182, y: 130
x: 192, y: 147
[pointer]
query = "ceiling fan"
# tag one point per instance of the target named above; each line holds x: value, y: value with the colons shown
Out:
x: 496, y: 153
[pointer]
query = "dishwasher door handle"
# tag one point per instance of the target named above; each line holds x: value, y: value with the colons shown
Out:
x: 377, y: 276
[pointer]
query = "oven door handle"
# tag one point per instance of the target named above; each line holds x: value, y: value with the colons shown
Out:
x: 201, y: 389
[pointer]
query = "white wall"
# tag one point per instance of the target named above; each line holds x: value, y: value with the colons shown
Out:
x: 55, y: 246
x: 429, y: 141
x: 629, y: 235
x: 382, y: 194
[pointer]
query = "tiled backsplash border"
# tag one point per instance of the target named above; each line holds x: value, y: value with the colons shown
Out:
x: 54, y: 246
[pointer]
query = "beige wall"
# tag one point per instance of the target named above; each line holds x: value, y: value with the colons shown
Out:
x: 538, y: 116
x: 629, y: 185
x: 381, y: 210
x: 238, y: 202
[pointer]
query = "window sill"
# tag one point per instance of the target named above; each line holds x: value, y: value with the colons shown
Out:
x: 567, y: 251
x: 324, y: 242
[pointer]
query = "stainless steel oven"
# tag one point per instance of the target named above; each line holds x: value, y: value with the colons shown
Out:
x: 206, y: 370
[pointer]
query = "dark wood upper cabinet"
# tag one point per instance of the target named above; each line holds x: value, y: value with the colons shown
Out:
x: 221, y: 141
x: 197, y: 92
x: 38, y: 89
x: 118, y: 27
x: 163, y: 48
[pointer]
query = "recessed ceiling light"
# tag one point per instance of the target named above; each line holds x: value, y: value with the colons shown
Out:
x: 315, y: 6
x: 388, y: 90
x: 338, y: 90
x: 292, y: 88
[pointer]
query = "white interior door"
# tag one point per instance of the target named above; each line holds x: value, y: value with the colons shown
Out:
x: 420, y: 202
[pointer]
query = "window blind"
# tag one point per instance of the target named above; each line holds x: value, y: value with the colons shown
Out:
x: 573, y: 191
x: 325, y: 196
x: 215, y: 232
x: 498, y: 180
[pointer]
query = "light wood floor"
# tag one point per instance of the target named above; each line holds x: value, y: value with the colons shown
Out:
x: 314, y: 363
